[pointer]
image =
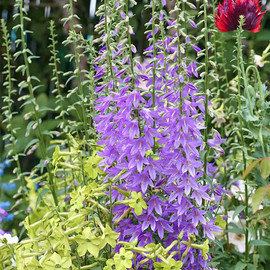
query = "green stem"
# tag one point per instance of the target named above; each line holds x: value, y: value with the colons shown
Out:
x: 111, y: 207
x: 179, y: 52
x: 9, y: 105
x: 108, y: 45
x: 78, y: 72
x: 31, y: 92
x: 224, y: 63
x: 129, y: 45
x: 154, y: 65
x: 258, y: 78
x: 185, y: 25
x: 206, y: 86
x: 242, y: 74
x: 164, y: 53
x: 154, y: 55
x: 55, y: 70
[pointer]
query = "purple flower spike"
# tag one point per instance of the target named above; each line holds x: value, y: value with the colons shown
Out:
x: 156, y: 137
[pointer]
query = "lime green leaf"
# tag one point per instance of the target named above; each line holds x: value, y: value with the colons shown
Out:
x: 220, y: 222
x: 259, y: 243
x: 41, y: 194
x: 251, y: 167
x: 123, y: 192
x: 205, y: 249
x: 240, y: 266
x: 258, y: 197
x: 265, y: 213
x: 265, y: 168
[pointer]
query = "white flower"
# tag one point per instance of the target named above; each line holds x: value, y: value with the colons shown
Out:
x: 238, y: 190
x: 8, y: 238
x: 230, y: 217
x: 238, y: 239
x: 258, y: 60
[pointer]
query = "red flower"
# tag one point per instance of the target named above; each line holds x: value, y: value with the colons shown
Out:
x: 228, y: 15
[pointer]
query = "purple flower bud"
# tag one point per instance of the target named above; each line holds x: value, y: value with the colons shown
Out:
x: 160, y: 16
x: 67, y: 198
x: 133, y: 48
x: 192, y: 23
x: 120, y: 73
x: 196, y: 48
x: 123, y: 15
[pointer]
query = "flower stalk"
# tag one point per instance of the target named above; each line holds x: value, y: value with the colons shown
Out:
x: 34, y: 104
x: 242, y: 74
x: 206, y: 86
x: 10, y: 127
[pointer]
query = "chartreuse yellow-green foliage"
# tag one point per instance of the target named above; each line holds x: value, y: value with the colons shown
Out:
x: 78, y: 234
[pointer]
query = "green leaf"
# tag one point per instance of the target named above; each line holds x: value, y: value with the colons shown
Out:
x: 29, y: 127
x: 239, y: 209
x: 240, y: 266
x: 30, y: 144
x: 265, y: 213
x: 258, y: 198
x: 259, y: 243
x: 40, y: 195
x: 235, y: 229
x: 265, y: 168
x: 123, y: 192
x: 251, y: 167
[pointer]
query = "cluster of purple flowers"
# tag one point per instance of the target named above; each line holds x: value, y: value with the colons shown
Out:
x: 152, y: 129
x: 4, y: 215
x: 4, y: 165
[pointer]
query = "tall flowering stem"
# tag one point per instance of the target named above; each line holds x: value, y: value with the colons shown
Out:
x: 242, y: 74
x: 108, y: 45
x: 154, y: 55
x: 31, y: 88
x: 78, y: 72
x: 206, y: 86
x: 8, y: 113
x: 54, y: 63
x: 130, y: 45
x: 179, y: 53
